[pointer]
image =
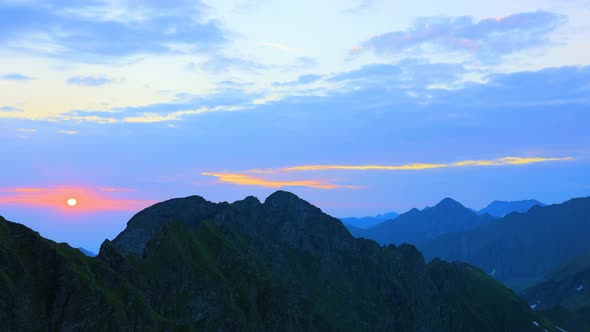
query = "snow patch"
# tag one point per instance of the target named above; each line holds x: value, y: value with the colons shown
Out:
x: 579, y: 288
x: 533, y: 306
x: 493, y: 272
x: 559, y: 328
x: 536, y: 324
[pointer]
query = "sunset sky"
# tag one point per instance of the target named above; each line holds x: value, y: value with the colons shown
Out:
x: 360, y: 107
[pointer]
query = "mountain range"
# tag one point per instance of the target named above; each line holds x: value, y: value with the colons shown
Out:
x: 500, y: 209
x: 281, y: 265
x: 521, y: 248
x: 366, y: 222
x: 496, y: 209
x: 416, y: 226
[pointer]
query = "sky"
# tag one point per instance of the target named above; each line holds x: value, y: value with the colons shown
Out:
x: 360, y: 107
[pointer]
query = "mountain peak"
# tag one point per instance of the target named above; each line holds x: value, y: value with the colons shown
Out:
x: 449, y: 203
x: 281, y: 196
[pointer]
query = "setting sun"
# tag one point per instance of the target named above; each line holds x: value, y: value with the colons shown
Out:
x: 72, y: 202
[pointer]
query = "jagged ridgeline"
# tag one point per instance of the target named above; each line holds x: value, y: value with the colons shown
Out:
x: 281, y: 265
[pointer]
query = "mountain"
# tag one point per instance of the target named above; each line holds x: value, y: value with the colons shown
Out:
x: 366, y: 222
x: 281, y: 265
x: 520, y: 248
x: 500, y: 209
x: 416, y: 226
x: 564, y: 294
x: 87, y: 252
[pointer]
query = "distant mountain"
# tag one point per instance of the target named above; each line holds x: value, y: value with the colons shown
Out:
x: 416, y: 226
x: 281, y: 265
x: 366, y: 222
x: 87, y: 252
x: 500, y: 209
x: 520, y: 248
x: 564, y: 294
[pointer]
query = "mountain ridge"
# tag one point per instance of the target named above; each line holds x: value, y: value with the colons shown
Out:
x: 415, y: 226
x: 281, y: 265
x: 521, y: 247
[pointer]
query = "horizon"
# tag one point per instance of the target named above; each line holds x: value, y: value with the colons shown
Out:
x: 367, y: 107
x: 97, y: 242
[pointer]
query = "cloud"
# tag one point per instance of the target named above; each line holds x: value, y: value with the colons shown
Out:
x: 228, y: 99
x: 26, y: 130
x: 89, y: 199
x: 10, y: 109
x: 301, y: 80
x: 15, y: 77
x: 96, y: 28
x: 87, y: 81
x: 486, y: 39
x: 505, y: 161
x: 249, y: 180
x: 220, y: 63
x: 253, y: 177
x: 68, y: 132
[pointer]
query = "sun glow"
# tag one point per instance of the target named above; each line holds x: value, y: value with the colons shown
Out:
x: 72, y: 202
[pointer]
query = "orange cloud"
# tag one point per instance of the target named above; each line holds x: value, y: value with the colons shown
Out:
x: 88, y: 199
x: 248, y: 180
x: 416, y: 166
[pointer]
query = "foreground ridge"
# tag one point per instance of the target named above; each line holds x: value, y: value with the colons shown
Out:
x: 281, y: 265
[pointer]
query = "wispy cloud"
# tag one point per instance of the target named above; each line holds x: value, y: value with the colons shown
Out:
x: 15, y: 77
x: 506, y: 161
x: 220, y: 63
x: 10, y: 109
x: 86, y: 81
x: 95, y: 29
x: 68, y: 132
x: 88, y: 199
x: 249, y: 180
x: 487, y: 39
x: 26, y: 130
x: 258, y: 177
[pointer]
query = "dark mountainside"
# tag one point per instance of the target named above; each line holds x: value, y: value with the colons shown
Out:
x: 564, y: 295
x: 416, y: 226
x: 501, y: 209
x: 366, y: 222
x: 281, y: 265
x: 520, y: 248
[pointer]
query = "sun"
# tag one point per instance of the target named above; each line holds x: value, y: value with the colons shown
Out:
x: 72, y: 202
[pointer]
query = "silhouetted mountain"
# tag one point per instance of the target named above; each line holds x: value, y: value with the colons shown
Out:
x: 564, y: 294
x: 416, y: 226
x: 522, y: 247
x: 366, y: 222
x: 87, y: 252
x: 281, y: 265
x: 500, y: 209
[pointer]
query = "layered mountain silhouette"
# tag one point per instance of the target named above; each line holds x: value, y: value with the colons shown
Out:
x: 416, y: 226
x: 520, y: 248
x: 366, y: 222
x: 500, y: 209
x: 281, y: 265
